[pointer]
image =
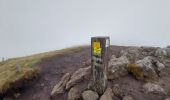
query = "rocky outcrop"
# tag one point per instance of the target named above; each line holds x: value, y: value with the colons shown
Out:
x: 162, y: 52
x: 153, y: 88
x: 90, y: 95
x: 143, y: 69
x: 60, y: 87
x: 132, y: 53
x: 108, y: 95
x: 117, y: 67
x: 78, y: 76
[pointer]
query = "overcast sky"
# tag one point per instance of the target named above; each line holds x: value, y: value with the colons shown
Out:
x: 34, y: 26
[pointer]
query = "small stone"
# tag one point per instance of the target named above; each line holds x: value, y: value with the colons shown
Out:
x: 153, y: 88
x: 117, y: 91
x: 42, y: 84
x: 108, y: 95
x: 127, y: 98
x: 78, y: 76
x: 16, y: 95
x: 90, y: 95
x: 73, y: 94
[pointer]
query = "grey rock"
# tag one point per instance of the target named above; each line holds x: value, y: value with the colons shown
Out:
x: 127, y: 98
x: 132, y: 53
x: 117, y: 67
x: 108, y: 95
x: 73, y: 94
x: 60, y: 87
x: 117, y: 91
x: 160, y: 68
x: 163, y: 52
x: 90, y: 95
x: 78, y: 76
x: 146, y: 65
x: 153, y: 88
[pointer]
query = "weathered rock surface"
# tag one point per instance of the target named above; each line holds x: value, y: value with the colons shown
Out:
x: 117, y: 91
x: 132, y: 53
x: 153, y: 88
x: 60, y: 87
x: 90, y: 95
x: 143, y: 69
x: 127, y: 98
x: 78, y: 76
x: 108, y: 95
x: 117, y: 67
x: 163, y: 52
x: 74, y: 94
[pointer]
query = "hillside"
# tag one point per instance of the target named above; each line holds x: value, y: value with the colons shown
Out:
x: 135, y: 73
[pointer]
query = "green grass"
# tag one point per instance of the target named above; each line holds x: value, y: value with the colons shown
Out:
x: 10, y: 77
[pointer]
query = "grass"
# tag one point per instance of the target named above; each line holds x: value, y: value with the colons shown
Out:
x: 11, y: 77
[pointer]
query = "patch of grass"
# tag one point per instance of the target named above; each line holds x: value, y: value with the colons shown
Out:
x: 10, y: 77
x: 135, y: 70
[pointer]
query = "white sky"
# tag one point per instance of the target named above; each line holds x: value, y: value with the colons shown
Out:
x: 34, y: 26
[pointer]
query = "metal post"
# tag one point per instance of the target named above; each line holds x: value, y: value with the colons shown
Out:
x: 99, y: 53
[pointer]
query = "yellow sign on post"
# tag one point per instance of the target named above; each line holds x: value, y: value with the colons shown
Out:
x: 97, y: 48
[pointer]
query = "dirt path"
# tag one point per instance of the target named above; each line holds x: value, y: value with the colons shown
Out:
x: 53, y: 69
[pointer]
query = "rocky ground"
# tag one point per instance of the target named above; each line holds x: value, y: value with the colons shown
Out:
x: 134, y: 73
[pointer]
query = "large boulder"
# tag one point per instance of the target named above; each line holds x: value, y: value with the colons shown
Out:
x: 108, y: 95
x: 60, y: 87
x: 90, y: 95
x: 153, y: 88
x: 117, y: 67
x: 143, y: 69
x: 78, y: 76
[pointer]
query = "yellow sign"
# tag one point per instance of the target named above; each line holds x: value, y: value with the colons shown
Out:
x: 96, y: 48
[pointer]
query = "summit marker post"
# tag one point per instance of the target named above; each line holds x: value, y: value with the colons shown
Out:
x: 99, y: 58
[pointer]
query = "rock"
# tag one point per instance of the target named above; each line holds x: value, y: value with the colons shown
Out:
x: 162, y: 52
x: 60, y: 87
x: 143, y: 69
x: 108, y: 95
x: 117, y: 91
x: 132, y: 53
x: 127, y: 98
x: 73, y: 94
x: 78, y: 76
x: 90, y: 95
x: 117, y: 67
x: 16, y: 95
x: 167, y: 99
x: 160, y: 68
x: 153, y: 88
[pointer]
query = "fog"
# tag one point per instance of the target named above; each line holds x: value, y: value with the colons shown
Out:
x: 34, y: 26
